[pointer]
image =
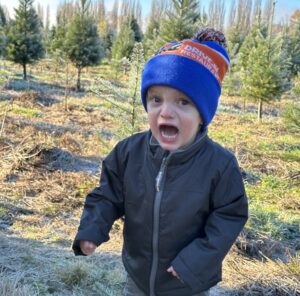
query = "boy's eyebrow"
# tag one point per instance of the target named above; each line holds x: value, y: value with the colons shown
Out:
x: 152, y: 93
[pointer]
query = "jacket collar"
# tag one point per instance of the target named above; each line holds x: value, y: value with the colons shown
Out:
x: 180, y: 155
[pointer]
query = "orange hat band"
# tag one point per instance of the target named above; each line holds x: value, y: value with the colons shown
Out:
x: 204, y: 55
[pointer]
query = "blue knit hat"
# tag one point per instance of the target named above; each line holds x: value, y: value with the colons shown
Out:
x: 194, y: 66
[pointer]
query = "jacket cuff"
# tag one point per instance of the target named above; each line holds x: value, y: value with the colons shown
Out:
x: 76, y: 248
x: 186, y: 275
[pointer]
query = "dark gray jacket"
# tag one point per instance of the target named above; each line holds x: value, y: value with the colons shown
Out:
x: 183, y: 208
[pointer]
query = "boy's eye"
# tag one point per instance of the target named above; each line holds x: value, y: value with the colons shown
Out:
x: 184, y: 102
x: 155, y: 99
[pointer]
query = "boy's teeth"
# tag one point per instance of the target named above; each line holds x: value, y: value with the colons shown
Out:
x: 166, y: 135
x: 169, y: 132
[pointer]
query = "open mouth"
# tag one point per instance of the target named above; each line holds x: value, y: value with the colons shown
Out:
x: 168, y: 131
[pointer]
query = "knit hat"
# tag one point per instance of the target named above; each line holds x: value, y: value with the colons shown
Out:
x: 193, y: 66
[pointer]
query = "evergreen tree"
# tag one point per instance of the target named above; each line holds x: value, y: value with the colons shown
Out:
x: 296, y: 86
x: 261, y: 71
x: 47, y: 32
x: 24, y: 38
x: 3, y: 20
x: 284, y: 40
x: 2, y: 31
x: 107, y: 35
x: 151, y: 39
x: 180, y: 21
x: 295, y: 49
x: 137, y: 62
x: 83, y: 44
x: 124, y: 42
x: 138, y: 34
x: 58, y: 38
x: 125, y: 105
x: 291, y: 113
x: 64, y: 14
x: 231, y: 84
x: 2, y: 41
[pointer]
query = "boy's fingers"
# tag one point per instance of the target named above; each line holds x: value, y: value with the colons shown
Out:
x: 87, y: 247
x: 171, y: 270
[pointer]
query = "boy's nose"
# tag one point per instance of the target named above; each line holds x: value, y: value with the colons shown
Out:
x: 167, y: 110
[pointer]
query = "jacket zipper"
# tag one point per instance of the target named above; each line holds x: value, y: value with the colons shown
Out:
x: 156, y: 211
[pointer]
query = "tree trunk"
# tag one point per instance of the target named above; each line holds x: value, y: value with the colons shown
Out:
x: 244, y: 105
x: 78, y: 79
x: 24, y: 72
x: 67, y: 88
x: 259, y: 110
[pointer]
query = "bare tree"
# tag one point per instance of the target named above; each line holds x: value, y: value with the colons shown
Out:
x: 216, y: 14
x: 256, y: 11
x: 138, y: 13
x: 231, y: 22
x: 98, y: 10
x: 267, y: 12
x: 126, y: 11
x: 65, y: 11
x: 244, y: 9
x: 115, y: 15
x: 40, y: 13
x: 47, y: 21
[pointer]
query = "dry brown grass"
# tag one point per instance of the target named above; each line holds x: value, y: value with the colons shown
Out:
x: 253, y: 277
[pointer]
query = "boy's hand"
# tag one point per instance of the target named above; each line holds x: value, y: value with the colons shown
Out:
x: 87, y: 247
x: 174, y: 273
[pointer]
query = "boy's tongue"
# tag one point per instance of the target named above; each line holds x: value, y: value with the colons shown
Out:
x: 169, y: 131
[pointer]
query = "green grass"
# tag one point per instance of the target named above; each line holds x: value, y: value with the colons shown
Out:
x: 28, y: 112
x: 3, y: 212
x: 85, y: 187
x: 293, y: 155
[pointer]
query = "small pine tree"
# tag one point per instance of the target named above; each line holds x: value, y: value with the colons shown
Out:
x: 295, y: 50
x: 83, y: 44
x: 231, y: 84
x: 180, y: 21
x: 24, y: 38
x: 107, y: 36
x: 138, y: 34
x: 58, y: 38
x: 137, y: 64
x: 2, y: 42
x: 296, y: 86
x: 291, y: 116
x: 260, y: 62
x: 125, y: 105
x: 3, y: 20
x: 124, y: 42
x: 291, y: 113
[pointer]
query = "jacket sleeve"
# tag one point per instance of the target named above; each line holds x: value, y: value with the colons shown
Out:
x: 103, y: 205
x: 199, y: 263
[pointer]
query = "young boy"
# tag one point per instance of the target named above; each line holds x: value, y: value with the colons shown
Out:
x: 181, y: 193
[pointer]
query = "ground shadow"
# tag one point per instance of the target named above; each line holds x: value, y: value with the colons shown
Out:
x: 58, y: 159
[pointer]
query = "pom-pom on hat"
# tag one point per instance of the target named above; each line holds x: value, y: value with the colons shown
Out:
x: 194, y: 66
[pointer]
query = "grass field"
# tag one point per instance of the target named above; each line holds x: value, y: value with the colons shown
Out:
x: 52, y: 141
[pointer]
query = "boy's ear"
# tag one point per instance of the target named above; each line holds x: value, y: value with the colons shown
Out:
x: 201, y: 121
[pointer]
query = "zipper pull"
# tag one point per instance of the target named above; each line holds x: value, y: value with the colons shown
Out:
x: 158, y: 179
x: 160, y: 174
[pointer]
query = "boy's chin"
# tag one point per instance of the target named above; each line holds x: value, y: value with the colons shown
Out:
x: 168, y: 146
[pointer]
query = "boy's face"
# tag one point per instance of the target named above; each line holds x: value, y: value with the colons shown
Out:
x: 174, y: 119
